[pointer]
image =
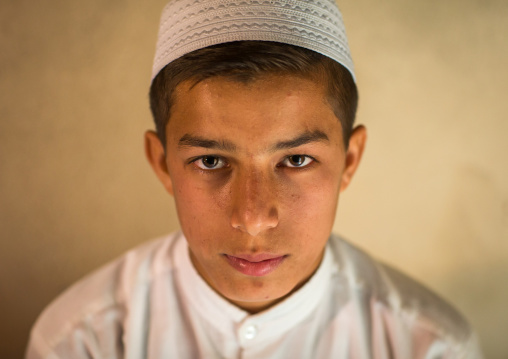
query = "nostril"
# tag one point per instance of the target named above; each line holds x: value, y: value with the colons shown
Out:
x: 255, y: 223
x: 273, y: 213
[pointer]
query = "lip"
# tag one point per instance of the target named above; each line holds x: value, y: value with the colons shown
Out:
x: 257, y: 265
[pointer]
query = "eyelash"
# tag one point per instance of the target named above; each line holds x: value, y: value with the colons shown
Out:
x: 305, y: 157
x: 226, y: 165
x: 201, y: 158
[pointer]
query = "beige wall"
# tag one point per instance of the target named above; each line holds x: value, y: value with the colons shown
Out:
x: 431, y: 196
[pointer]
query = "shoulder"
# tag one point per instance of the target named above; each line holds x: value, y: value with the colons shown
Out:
x: 99, y: 301
x: 402, y: 300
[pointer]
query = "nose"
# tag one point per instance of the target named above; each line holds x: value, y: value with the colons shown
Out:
x: 254, y: 203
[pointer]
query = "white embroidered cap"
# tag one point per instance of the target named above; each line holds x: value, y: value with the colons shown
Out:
x: 189, y: 25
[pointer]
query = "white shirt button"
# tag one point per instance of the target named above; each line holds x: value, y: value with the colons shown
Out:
x: 250, y: 332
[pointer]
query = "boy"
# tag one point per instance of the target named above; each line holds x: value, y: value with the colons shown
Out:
x: 254, y: 104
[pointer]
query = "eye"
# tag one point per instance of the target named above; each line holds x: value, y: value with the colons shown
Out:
x: 210, y: 162
x: 297, y: 161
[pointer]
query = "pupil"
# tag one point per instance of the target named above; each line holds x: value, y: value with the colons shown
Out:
x: 210, y: 161
x: 296, y: 160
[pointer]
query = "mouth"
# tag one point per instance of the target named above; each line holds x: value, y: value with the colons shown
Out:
x: 255, y: 265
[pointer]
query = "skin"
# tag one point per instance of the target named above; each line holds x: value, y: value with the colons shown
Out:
x: 255, y: 168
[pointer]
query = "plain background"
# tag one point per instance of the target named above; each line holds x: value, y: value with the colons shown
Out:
x: 431, y: 196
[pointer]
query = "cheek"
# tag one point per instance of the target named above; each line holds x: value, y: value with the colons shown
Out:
x: 310, y: 214
x: 200, y: 213
x: 202, y: 203
x: 314, y: 199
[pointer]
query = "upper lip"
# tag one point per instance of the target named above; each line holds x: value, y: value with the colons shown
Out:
x: 256, y: 257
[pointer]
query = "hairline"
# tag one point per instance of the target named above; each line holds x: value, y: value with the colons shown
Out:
x: 341, y: 90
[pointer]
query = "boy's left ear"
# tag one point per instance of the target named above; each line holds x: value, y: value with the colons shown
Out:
x: 156, y: 156
x: 353, y: 155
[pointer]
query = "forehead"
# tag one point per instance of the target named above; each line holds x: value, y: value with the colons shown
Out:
x: 271, y: 107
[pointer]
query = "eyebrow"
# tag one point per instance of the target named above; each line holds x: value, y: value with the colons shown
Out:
x: 306, y: 137
x: 196, y: 141
x: 224, y: 145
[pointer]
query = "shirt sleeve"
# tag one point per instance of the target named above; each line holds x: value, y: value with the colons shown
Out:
x: 94, y: 337
x: 471, y: 349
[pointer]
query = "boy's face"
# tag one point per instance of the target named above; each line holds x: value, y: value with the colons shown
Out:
x: 256, y: 170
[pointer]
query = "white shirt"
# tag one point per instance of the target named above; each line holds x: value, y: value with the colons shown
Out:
x: 151, y: 303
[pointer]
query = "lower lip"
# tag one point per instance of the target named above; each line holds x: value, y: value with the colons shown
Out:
x: 255, y: 269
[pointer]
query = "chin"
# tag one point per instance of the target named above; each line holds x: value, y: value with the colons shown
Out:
x: 253, y: 293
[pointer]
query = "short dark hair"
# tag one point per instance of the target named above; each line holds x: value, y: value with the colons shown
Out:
x: 245, y: 61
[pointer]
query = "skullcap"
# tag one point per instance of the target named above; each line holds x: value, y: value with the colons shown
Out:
x: 189, y: 25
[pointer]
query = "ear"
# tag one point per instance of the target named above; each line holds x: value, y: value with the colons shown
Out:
x: 156, y: 156
x: 353, y: 155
